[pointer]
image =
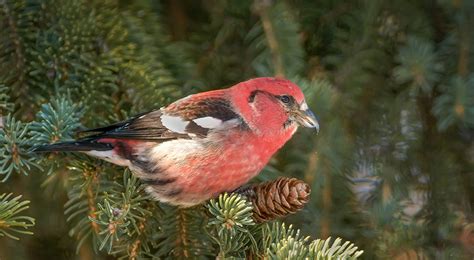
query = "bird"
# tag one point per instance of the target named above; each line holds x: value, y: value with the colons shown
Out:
x: 204, y: 144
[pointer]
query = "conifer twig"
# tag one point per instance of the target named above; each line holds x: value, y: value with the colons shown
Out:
x: 9, y: 219
x: 262, y: 9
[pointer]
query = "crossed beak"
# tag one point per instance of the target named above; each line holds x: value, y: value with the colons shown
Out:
x: 305, y: 117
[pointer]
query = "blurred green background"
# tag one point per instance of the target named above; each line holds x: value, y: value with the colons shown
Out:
x: 391, y: 81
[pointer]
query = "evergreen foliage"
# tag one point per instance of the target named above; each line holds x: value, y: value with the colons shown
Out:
x: 391, y: 81
x: 9, y: 221
x: 14, y: 143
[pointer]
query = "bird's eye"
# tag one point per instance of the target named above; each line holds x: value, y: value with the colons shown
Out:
x: 285, y: 99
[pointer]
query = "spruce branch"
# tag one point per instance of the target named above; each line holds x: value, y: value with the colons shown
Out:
x: 182, y: 241
x: 10, y: 220
x: 144, y: 64
x: 12, y: 22
x: 182, y: 234
x: 291, y: 247
x: 296, y: 247
x: 419, y: 65
x: 465, y: 43
x: 287, y: 243
x: 232, y: 212
x: 123, y: 218
x: 230, y: 223
x: 134, y: 249
x: 456, y: 103
x: 56, y: 121
x: 5, y: 105
x: 14, y: 145
x: 83, y: 196
x: 274, y: 42
x: 110, y: 220
x: 325, y: 249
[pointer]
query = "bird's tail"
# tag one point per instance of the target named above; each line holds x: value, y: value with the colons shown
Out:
x: 83, y: 145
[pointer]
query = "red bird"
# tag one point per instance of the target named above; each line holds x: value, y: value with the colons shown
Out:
x: 204, y: 144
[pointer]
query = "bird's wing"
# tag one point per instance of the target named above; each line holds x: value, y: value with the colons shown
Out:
x: 182, y: 119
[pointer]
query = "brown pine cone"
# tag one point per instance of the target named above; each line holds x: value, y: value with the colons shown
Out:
x: 278, y: 198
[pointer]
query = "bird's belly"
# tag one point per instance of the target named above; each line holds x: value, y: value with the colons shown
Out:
x: 191, y: 177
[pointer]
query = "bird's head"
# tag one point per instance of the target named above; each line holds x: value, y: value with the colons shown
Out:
x: 272, y: 104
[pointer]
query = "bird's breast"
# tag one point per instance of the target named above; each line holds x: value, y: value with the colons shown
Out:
x: 189, y: 171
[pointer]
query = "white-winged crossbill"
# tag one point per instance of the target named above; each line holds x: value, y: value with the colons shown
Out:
x: 203, y: 144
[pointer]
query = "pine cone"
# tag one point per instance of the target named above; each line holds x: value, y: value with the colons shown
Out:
x: 278, y: 198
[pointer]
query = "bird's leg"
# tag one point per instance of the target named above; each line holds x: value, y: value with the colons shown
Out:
x: 245, y: 190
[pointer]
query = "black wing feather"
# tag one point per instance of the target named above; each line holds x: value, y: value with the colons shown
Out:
x: 81, y: 145
x: 145, y: 126
x: 113, y: 126
x: 148, y: 126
